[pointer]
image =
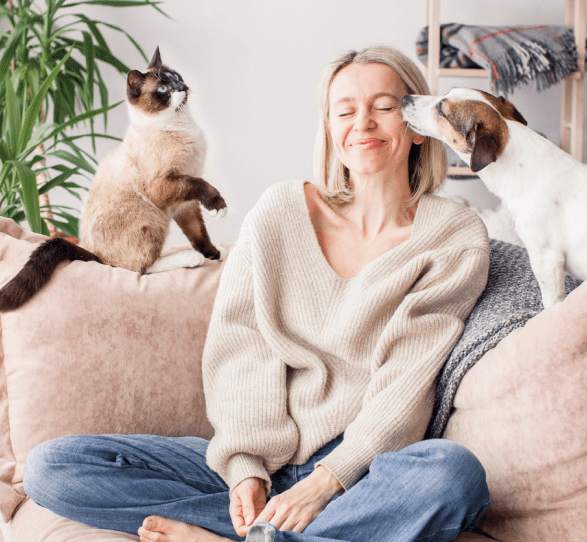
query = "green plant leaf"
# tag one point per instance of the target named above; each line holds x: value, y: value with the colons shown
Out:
x: 79, y: 118
x: 8, y: 54
x: 37, y: 138
x: 57, y: 181
x: 73, y: 159
x: 89, y: 88
x: 119, y: 4
x: 13, y: 116
x: 30, y: 196
x: 93, y: 26
x: 34, y: 108
x: 4, y: 153
x: 70, y: 227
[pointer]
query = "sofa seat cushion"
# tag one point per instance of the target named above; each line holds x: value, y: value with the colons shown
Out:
x: 35, y: 524
x: 99, y: 350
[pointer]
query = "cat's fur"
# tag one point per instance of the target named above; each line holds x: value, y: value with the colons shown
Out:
x: 153, y: 177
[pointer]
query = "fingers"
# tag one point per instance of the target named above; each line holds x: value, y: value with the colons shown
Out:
x: 288, y: 516
x: 296, y: 508
x: 247, y: 500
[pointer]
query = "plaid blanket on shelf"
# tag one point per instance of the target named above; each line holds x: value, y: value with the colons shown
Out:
x: 538, y: 55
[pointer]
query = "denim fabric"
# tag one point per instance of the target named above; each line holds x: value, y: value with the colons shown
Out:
x: 431, y: 490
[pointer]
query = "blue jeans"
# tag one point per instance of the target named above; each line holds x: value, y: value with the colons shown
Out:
x: 431, y: 490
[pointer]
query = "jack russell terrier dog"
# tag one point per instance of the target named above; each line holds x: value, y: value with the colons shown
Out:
x: 543, y: 187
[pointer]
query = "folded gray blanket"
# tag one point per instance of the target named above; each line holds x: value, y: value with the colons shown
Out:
x: 537, y: 55
x: 510, y: 299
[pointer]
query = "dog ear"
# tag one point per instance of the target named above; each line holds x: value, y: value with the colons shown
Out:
x: 505, y: 108
x: 484, y: 147
x: 511, y: 112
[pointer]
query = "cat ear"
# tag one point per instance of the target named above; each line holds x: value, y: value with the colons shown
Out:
x: 156, y: 60
x: 134, y: 84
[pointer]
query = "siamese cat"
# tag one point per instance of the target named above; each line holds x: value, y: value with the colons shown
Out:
x: 153, y: 177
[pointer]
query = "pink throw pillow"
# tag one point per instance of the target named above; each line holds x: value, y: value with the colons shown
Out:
x: 99, y: 350
x: 522, y: 409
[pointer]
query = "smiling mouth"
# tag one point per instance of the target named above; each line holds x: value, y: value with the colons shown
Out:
x: 369, y: 143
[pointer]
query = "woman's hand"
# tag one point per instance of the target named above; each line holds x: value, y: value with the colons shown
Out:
x: 247, y: 500
x: 296, y: 508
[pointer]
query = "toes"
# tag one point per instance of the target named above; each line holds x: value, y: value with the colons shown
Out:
x: 221, y: 213
x: 154, y: 529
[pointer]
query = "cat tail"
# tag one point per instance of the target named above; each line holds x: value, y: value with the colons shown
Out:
x: 37, y: 272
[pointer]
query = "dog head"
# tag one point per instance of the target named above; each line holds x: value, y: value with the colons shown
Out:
x: 469, y: 121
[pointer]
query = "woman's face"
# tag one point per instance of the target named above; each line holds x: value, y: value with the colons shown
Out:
x: 365, y: 118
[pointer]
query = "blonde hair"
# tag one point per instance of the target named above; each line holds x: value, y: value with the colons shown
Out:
x: 427, y: 162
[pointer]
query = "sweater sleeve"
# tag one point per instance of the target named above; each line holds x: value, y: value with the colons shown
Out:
x: 399, y: 399
x: 244, y: 382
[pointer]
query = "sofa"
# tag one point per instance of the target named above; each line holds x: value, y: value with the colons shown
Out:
x: 105, y: 350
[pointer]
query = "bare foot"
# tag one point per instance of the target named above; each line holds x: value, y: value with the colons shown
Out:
x: 158, y: 529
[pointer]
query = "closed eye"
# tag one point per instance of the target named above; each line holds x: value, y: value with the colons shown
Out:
x: 439, y: 108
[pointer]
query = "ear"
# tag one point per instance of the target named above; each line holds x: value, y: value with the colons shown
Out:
x: 418, y: 139
x: 134, y: 84
x: 512, y: 112
x: 484, y: 147
x: 156, y: 60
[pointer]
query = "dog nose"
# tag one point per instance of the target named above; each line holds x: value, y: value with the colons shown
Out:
x: 407, y: 100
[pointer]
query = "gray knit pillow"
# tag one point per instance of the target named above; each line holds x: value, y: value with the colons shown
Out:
x: 510, y: 299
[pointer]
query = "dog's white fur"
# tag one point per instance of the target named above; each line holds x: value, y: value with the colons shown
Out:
x: 543, y: 187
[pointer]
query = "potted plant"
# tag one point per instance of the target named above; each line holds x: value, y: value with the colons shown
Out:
x: 50, y: 80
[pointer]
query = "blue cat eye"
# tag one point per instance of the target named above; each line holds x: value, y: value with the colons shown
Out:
x: 162, y: 88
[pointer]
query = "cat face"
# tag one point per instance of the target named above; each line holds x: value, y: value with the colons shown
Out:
x: 156, y: 90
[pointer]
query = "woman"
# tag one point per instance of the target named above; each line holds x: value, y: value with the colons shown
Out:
x: 335, y: 312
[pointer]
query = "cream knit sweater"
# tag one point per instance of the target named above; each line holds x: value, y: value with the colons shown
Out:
x: 296, y: 354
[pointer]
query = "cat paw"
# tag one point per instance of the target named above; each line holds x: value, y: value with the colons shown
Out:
x: 223, y: 254
x: 185, y: 258
x: 216, y: 213
x: 193, y: 258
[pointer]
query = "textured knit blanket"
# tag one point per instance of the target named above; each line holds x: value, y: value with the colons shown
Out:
x: 537, y: 55
x: 510, y: 299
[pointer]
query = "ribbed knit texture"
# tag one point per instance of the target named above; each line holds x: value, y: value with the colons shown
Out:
x: 296, y: 354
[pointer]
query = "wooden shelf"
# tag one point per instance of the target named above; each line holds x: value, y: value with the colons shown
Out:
x: 461, y: 170
x: 462, y: 72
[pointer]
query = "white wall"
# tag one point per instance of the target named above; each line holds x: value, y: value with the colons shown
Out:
x: 253, y: 66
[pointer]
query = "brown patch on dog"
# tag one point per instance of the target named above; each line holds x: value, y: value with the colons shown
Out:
x: 477, y: 128
x: 505, y: 108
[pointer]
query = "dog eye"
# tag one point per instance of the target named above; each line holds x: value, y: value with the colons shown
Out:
x: 162, y: 88
x: 439, y: 108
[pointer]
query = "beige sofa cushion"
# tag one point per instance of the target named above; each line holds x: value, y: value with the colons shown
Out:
x: 99, y: 350
x: 522, y: 409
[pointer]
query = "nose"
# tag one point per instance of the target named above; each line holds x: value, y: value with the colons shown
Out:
x: 364, y: 121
